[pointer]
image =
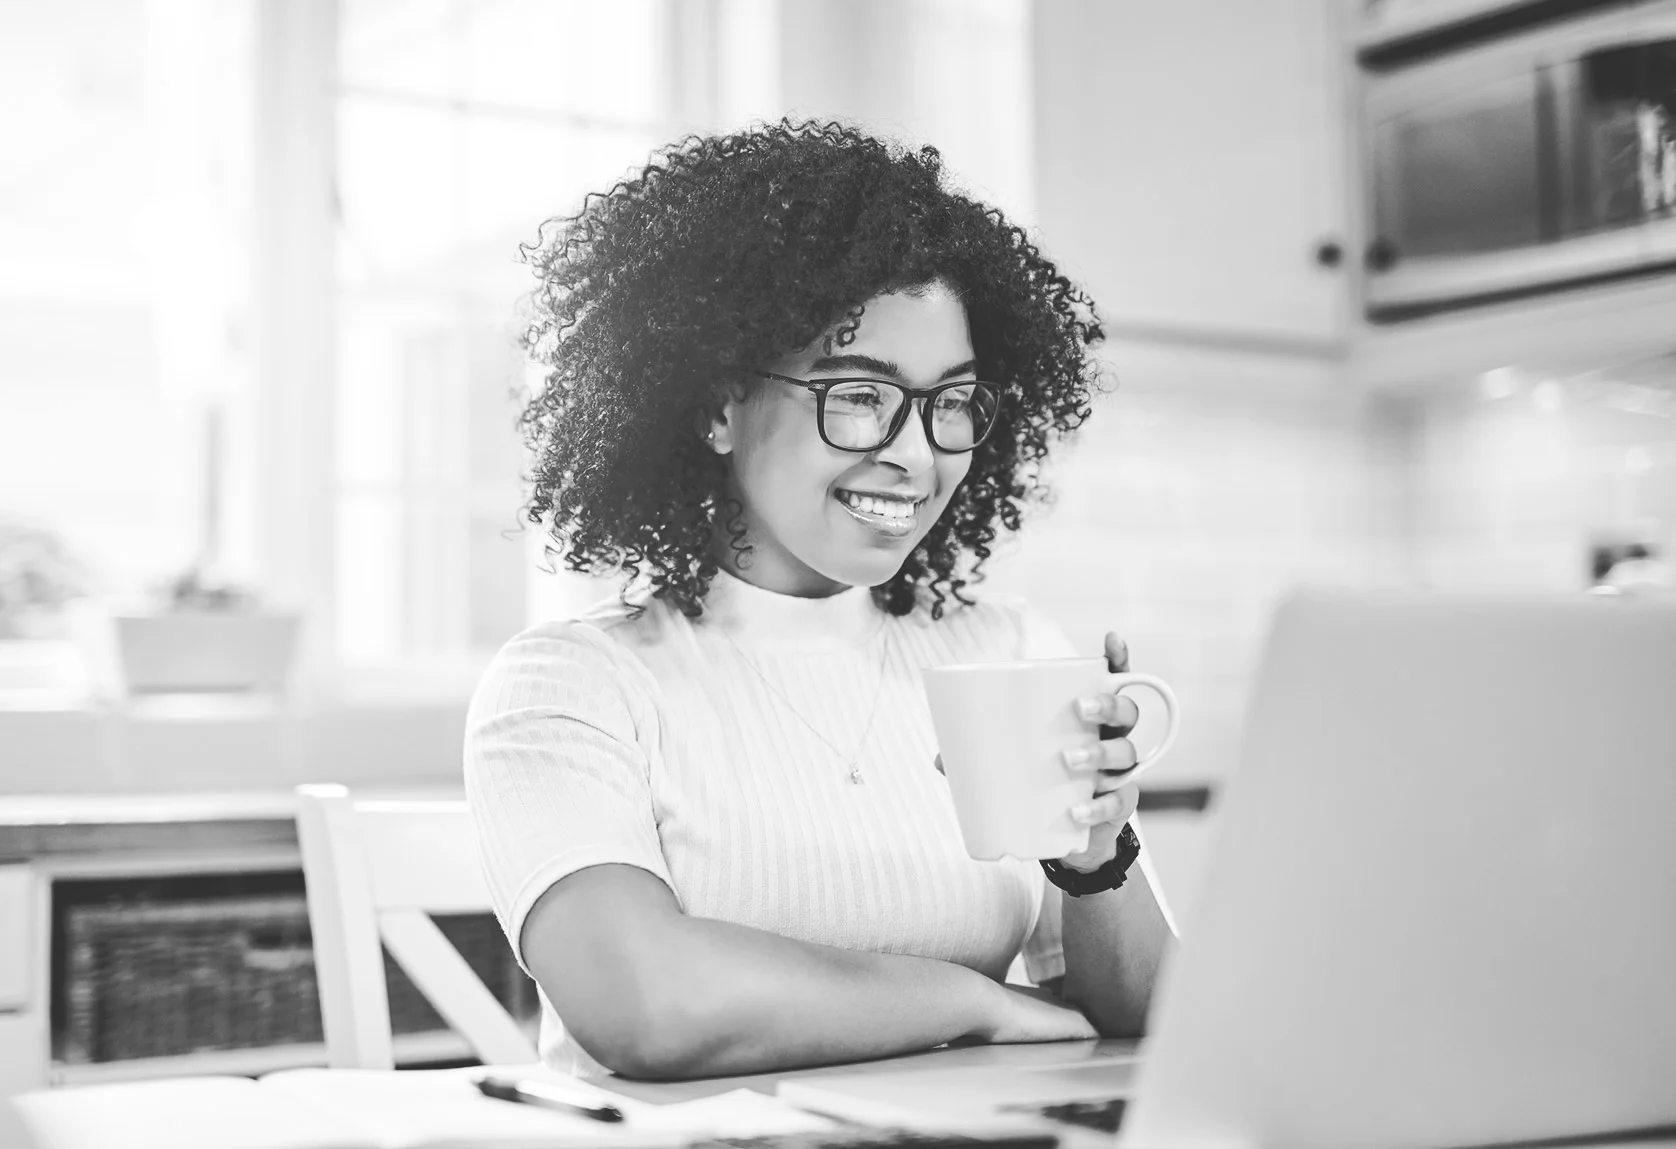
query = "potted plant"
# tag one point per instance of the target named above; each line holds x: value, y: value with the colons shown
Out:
x: 200, y: 632
x: 204, y: 635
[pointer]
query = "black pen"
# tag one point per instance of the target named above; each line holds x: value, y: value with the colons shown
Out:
x: 550, y: 1095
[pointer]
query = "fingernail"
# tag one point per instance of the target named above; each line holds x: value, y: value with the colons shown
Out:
x: 1083, y: 813
x: 1077, y: 757
x: 1089, y: 709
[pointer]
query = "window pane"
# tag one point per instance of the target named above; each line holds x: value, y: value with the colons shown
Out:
x: 120, y: 272
x: 461, y: 128
x: 441, y: 199
x: 574, y: 57
x: 497, y: 577
x: 370, y: 398
x: 79, y: 68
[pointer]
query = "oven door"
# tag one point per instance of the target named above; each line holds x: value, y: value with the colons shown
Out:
x: 1540, y: 161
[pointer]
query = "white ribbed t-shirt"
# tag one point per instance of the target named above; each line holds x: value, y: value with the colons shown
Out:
x: 714, y: 753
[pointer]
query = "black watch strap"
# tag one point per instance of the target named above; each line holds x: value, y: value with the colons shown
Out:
x: 1108, y: 877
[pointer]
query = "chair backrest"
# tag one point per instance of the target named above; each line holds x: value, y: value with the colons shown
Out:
x: 375, y: 872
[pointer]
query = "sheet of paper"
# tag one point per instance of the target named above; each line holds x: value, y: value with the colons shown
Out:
x: 442, y: 1109
x: 739, y: 1113
x: 434, y: 1109
x: 184, y: 1113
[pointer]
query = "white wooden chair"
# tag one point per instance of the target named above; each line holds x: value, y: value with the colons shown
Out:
x: 375, y: 871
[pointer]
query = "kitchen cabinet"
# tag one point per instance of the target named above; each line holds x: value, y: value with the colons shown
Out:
x: 1191, y: 162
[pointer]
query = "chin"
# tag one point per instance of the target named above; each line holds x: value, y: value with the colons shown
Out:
x: 868, y: 570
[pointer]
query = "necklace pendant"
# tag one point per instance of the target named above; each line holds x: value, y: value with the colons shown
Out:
x: 855, y: 776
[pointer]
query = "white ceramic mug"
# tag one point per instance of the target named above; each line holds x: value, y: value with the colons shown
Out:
x: 1002, y: 728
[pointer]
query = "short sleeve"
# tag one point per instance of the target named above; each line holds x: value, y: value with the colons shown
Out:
x: 559, y: 742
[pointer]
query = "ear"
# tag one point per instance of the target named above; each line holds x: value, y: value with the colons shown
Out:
x: 719, y: 419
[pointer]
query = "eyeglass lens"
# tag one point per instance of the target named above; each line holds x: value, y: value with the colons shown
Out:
x: 859, y: 414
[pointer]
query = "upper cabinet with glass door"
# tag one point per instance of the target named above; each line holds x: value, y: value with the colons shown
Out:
x: 1519, y: 155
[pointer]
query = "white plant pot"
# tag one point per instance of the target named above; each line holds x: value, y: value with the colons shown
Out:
x: 193, y: 651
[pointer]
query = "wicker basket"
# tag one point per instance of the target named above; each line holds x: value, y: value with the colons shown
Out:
x: 159, y: 980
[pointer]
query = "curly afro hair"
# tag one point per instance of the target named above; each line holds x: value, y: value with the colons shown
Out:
x: 727, y: 252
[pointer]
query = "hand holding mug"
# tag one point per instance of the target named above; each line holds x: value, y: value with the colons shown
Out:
x: 1111, y: 761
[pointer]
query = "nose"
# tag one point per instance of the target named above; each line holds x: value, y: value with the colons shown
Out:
x: 910, y: 450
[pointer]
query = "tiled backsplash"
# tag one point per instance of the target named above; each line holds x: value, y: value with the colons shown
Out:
x: 1514, y: 478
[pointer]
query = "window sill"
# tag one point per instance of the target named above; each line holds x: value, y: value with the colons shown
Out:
x: 52, y: 675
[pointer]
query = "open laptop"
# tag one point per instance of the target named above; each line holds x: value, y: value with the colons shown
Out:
x: 1440, y: 909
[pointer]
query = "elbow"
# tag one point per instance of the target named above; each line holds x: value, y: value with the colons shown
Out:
x: 655, y: 1056
x: 635, y: 1057
x: 1126, y: 1026
x: 649, y: 1037
x: 1123, y: 1019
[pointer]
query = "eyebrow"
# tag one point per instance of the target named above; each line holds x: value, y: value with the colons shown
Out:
x: 875, y: 366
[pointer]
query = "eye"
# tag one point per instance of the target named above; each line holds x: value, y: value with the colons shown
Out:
x: 955, y: 400
x: 857, y: 396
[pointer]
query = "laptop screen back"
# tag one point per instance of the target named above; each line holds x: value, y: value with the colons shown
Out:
x: 1441, y: 905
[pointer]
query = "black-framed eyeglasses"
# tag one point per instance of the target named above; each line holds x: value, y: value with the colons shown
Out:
x: 863, y: 414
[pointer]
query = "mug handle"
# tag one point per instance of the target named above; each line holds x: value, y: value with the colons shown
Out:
x: 1126, y: 679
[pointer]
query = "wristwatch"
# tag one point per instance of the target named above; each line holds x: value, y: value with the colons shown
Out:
x: 1108, y: 877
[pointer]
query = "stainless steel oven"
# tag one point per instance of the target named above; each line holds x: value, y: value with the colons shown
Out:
x: 1524, y: 156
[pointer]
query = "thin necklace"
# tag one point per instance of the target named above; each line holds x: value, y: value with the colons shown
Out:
x: 849, y: 760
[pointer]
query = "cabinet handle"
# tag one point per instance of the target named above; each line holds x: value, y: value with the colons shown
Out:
x: 1381, y: 255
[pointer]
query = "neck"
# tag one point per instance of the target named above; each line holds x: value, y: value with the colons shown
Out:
x: 775, y: 571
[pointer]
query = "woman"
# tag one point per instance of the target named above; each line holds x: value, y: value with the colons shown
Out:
x: 795, y: 388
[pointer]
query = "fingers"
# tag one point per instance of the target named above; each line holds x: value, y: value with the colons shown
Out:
x: 1115, y: 806
x: 1112, y: 710
x: 1117, y: 653
x: 1113, y: 756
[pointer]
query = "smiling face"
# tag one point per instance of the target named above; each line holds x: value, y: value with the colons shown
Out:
x: 819, y: 519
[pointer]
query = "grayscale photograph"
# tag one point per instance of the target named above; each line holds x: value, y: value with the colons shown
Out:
x: 837, y: 574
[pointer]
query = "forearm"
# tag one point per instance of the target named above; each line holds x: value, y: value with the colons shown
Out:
x: 660, y: 994
x: 752, y: 1001
x: 1114, y: 945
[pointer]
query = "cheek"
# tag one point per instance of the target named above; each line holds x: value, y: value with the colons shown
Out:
x: 783, y: 465
x: 951, y: 472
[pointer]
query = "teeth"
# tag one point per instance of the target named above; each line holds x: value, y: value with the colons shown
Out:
x: 873, y: 505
